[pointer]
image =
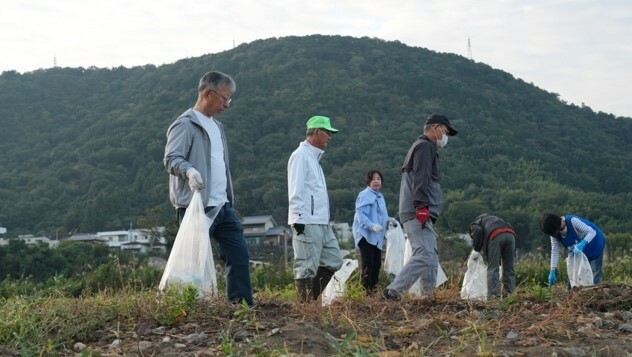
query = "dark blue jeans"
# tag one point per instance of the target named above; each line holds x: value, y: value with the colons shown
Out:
x: 227, y: 231
x: 596, y: 265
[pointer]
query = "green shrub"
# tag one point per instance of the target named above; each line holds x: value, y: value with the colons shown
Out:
x: 271, y: 277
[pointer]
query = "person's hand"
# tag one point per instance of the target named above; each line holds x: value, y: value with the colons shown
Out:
x: 552, y: 277
x: 392, y: 221
x: 195, y: 180
x: 376, y: 228
x: 579, y: 247
x: 475, y: 255
x: 423, y: 215
x: 299, y: 228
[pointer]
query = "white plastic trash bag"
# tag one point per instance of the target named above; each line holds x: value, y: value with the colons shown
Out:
x: 441, y: 277
x: 336, y: 286
x: 395, y: 242
x: 416, y: 289
x: 191, y: 258
x: 475, y: 279
x: 579, y: 271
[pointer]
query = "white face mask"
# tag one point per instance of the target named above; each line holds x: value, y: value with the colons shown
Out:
x: 443, y: 142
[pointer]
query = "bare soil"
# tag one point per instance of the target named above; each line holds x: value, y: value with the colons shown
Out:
x: 593, y: 321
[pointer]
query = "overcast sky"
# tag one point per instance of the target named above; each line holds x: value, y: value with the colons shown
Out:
x: 580, y: 49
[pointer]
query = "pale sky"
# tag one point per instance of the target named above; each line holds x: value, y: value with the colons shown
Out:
x: 579, y: 49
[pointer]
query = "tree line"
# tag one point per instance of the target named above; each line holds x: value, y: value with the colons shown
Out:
x: 83, y: 147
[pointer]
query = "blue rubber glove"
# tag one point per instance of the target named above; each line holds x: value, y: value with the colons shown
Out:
x: 552, y: 277
x: 579, y: 247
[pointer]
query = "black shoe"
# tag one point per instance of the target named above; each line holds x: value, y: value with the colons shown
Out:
x: 241, y: 301
x: 390, y: 294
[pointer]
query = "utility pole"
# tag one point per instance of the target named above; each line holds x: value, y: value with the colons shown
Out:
x: 285, y: 235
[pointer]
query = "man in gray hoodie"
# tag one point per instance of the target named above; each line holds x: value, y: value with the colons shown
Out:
x: 419, y: 201
x: 196, y: 157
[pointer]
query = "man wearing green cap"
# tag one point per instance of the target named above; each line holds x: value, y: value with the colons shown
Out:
x: 316, y: 252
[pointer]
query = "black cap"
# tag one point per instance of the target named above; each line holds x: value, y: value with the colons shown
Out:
x: 443, y: 120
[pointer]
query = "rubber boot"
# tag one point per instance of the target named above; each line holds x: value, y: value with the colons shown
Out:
x: 320, y: 281
x: 303, y: 288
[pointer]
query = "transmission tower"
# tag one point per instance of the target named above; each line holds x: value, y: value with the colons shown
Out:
x: 469, y: 50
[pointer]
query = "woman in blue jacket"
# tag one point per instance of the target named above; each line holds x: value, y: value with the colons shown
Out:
x: 577, y: 234
x: 369, y: 224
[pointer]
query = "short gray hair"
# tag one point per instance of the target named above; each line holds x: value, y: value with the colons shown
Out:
x: 215, y: 80
x: 310, y: 132
x: 429, y: 126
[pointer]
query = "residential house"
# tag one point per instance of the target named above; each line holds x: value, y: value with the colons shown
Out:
x: 29, y: 239
x: 139, y: 240
x: 87, y: 238
x: 263, y: 231
x: 277, y: 236
x: 266, y: 241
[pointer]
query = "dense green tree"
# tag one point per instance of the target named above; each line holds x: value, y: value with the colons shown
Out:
x: 82, y: 148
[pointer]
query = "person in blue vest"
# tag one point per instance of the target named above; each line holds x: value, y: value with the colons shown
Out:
x: 578, y: 235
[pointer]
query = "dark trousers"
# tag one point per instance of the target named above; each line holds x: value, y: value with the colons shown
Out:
x: 228, y: 233
x: 501, y: 251
x: 371, y: 260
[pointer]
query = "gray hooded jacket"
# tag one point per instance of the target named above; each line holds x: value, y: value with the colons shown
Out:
x: 420, y: 185
x: 188, y: 145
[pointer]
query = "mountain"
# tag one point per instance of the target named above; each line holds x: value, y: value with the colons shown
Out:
x: 82, y: 148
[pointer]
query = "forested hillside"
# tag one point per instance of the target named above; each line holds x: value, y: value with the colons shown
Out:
x: 82, y: 148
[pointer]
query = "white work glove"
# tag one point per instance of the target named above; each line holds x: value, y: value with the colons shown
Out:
x: 392, y: 221
x: 195, y: 180
x: 376, y: 228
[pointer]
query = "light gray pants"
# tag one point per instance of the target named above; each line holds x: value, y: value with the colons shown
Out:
x: 424, y: 261
x: 500, y: 250
x: 316, y: 247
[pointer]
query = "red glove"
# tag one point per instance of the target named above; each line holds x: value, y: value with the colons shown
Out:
x: 423, y: 215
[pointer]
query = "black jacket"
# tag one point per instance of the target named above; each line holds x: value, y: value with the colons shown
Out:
x: 482, y: 227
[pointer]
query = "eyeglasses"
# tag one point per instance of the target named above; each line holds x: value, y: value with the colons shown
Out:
x: 226, y: 100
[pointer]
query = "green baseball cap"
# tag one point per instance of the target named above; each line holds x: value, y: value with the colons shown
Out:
x: 320, y: 122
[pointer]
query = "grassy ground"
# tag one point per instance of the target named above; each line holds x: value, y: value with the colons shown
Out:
x: 144, y: 322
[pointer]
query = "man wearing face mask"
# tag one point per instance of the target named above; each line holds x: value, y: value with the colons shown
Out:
x: 419, y: 201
